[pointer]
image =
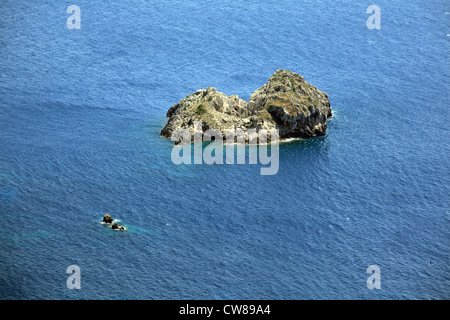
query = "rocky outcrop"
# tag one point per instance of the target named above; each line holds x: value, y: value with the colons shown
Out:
x: 214, y: 109
x: 292, y: 105
x: 115, y: 226
x: 286, y: 102
x: 109, y: 220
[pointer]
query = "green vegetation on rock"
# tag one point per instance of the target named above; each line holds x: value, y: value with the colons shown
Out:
x: 200, y: 110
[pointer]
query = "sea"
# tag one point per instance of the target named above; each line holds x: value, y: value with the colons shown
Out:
x: 81, y: 112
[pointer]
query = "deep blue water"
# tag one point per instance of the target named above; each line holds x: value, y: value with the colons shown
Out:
x: 80, y: 115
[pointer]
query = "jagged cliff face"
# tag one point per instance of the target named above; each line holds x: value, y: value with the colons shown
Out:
x: 286, y: 102
x: 297, y: 108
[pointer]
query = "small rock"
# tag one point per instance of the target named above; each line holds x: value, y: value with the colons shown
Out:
x: 115, y: 226
x: 107, y: 219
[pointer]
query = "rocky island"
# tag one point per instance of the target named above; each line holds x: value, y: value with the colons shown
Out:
x: 286, y: 102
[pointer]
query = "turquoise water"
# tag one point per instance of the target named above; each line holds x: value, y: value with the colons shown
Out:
x: 80, y: 115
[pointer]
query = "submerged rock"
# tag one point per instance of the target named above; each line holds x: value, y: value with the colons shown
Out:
x: 286, y: 102
x: 115, y: 226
